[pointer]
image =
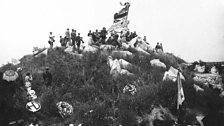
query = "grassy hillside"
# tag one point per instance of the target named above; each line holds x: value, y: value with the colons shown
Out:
x: 87, y: 85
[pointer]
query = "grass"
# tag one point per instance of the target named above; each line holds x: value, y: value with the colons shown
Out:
x: 87, y: 85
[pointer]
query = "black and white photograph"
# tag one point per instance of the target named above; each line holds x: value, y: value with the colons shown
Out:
x: 112, y: 63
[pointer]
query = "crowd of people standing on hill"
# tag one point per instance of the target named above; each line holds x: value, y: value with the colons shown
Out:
x: 98, y: 37
x: 71, y: 38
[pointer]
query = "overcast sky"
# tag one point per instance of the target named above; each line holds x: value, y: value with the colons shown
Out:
x: 191, y: 29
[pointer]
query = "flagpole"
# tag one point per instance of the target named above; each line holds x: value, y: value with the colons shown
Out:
x: 180, y: 98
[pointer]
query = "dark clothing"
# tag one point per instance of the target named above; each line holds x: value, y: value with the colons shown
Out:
x: 73, y: 37
x: 103, y: 34
x: 157, y: 47
x: 133, y: 35
x: 109, y: 41
x: 89, y: 34
x: 79, y: 40
x: 47, y: 76
x: 62, y: 41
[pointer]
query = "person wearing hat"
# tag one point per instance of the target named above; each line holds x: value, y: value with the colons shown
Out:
x: 73, y: 37
x: 51, y: 40
x: 47, y: 76
x: 67, y: 36
x: 78, y: 41
x: 20, y: 77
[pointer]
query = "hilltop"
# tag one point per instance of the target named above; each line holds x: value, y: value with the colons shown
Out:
x: 87, y: 85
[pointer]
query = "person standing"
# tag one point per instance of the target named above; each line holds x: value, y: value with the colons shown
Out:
x: 103, y: 34
x: 19, y: 80
x: 47, y: 76
x: 161, y: 47
x: 67, y: 36
x: 62, y: 41
x: 51, y: 40
x: 73, y: 37
x: 157, y: 47
x: 79, y: 40
x: 90, y: 33
x: 145, y: 38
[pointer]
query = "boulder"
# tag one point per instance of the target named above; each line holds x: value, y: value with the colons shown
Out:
x: 37, y: 51
x: 69, y: 49
x: 122, y: 54
x: 141, y: 51
x: 159, y: 113
x: 107, y: 47
x: 214, y: 70
x: 157, y: 63
x: 89, y: 48
x: 199, y: 69
x: 171, y: 74
x: 125, y: 46
x: 140, y: 45
x: 197, y: 88
x: 118, y: 67
x: 208, y: 79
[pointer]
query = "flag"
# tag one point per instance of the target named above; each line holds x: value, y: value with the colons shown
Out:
x: 120, y: 19
x: 122, y: 14
x: 180, y: 93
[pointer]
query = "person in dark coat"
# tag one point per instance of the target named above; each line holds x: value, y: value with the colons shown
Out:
x: 73, y: 37
x: 19, y: 80
x: 90, y: 33
x: 47, y: 76
x: 157, y: 47
x: 62, y: 41
x: 79, y: 40
x: 103, y: 34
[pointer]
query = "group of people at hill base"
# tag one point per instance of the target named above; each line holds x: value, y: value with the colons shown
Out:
x: 12, y: 84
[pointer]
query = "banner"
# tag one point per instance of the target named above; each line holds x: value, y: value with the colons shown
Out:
x: 120, y: 19
x: 180, y: 93
x: 123, y: 13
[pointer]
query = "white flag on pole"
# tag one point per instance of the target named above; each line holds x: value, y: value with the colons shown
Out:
x: 180, y: 94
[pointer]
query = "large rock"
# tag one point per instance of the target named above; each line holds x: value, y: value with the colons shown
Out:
x: 199, y: 69
x: 118, y: 67
x: 138, y: 42
x: 214, y: 80
x: 89, y: 48
x: 107, y: 47
x: 69, y: 49
x: 37, y: 51
x: 214, y: 70
x: 157, y: 63
x: 159, y: 113
x: 122, y: 54
x: 171, y: 74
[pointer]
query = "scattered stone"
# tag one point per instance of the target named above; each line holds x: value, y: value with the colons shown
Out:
x: 198, y: 88
x: 157, y: 63
x: 199, y: 69
x: 122, y: 54
x: 207, y: 79
x: 171, y: 74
